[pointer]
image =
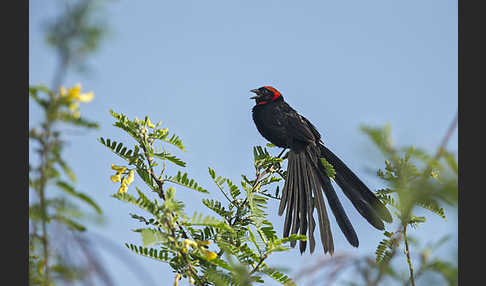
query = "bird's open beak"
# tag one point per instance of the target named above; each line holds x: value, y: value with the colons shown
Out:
x: 256, y: 92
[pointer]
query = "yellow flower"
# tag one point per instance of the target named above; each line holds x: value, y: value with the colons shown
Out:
x: 119, y: 169
x: 178, y: 277
x: 123, y: 189
x: 209, y: 254
x: 73, y: 106
x: 205, y: 242
x: 115, y: 178
x: 74, y: 93
x: 63, y: 91
x: 75, y: 90
x: 124, y: 181
x: 150, y: 124
x: 86, y: 97
x: 212, y: 255
x: 188, y: 242
x: 130, y: 177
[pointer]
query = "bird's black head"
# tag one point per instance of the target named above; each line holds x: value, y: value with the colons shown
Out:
x: 265, y: 94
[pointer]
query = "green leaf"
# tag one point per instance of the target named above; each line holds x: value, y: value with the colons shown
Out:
x: 270, y: 233
x: 167, y: 156
x: 115, y: 147
x: 66, y: 169
x: 432, y: 206
x: 446, y: 269
x: 69, y: 222
x: 201, y: 220
x: 174, y: 140
x: 142, y: 202
x: 217, y: 207
x: 329, y: 168
x: 381, y: 137
x: 34, y: 90
x: 81, y: 196
x: 451, y: 161
x: 234, y: 191
x: 160, y: 255
x: 382, y: 252
x: 183, y: 180
x: 69, y: 118
x: 151, y: 237
x: 292, y: 237
x: 278, y: 276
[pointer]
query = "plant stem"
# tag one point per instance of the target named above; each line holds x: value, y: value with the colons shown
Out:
x: 448, y: 135
x: 152, y: 173
x: 259, y: 263
x: 160, y: 183
x: 43, y: 169
x: 260, y: 177
x: 407, y: 253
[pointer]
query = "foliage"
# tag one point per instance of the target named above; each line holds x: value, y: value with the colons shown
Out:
x: 227, y: 248
x: 76, y: 33
x: 415, y: 180
x: 53, y: 170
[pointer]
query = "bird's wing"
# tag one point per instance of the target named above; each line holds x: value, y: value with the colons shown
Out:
x: 312, y: 128
x: 300, y: 127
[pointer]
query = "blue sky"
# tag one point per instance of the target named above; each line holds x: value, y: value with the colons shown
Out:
x: 191, y: 64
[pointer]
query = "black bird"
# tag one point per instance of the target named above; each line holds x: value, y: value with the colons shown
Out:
x: 307, y: 178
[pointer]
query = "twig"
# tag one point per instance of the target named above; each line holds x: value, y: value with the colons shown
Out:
x: 260, y: 176
x: 259, y: 263
x: 443, y: 144
x: 151, y: 172
x: 407, y: 253
x: 160, y: 184
x: 448, y: 135
x: 437, y: 156
x: 382, y: 267
x: 43, y: 182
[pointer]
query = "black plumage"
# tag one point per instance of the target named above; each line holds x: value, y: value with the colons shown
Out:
x: 307, y: 178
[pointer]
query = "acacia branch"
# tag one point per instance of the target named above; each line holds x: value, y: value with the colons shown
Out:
x: 407, y: 253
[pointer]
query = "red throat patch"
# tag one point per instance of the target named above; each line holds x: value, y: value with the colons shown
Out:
x: 276, y: 94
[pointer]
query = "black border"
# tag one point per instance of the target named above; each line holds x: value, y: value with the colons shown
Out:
x: 14, y: 23
x: 471, y: 144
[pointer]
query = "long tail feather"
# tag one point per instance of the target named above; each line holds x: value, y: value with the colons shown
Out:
x: 303, y: 194
x: 357, y: 191
x: 285, y: 191
x: 309, y: 156
x: 363, y: 207
x: 306, y: 181
x: 303, y: 190
x: 310, y: 207
x: 337, y: 208
x: 297, y: 198
x: 324, y: 225
x: 290, y: 204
